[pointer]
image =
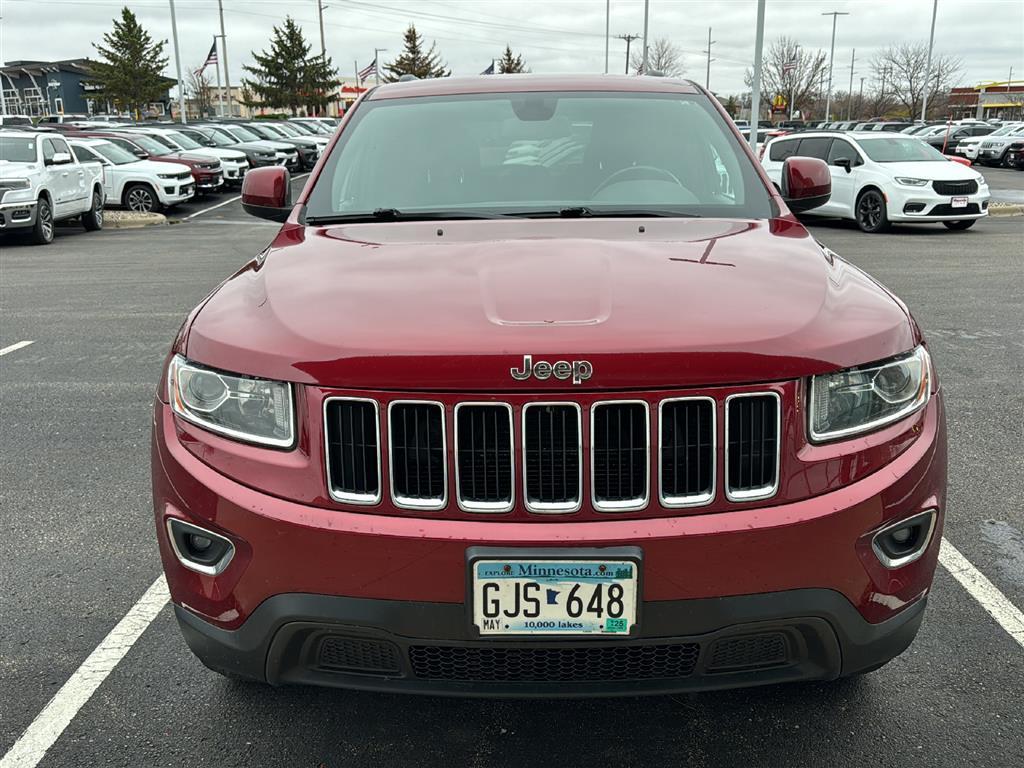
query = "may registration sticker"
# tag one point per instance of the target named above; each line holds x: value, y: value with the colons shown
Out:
x: 554, y: 597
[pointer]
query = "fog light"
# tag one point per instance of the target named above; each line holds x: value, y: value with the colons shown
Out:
x: 903, y: 542
x: 198, y: 549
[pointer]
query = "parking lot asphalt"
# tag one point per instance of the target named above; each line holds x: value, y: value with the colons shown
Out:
x: 77, y: 545
x: 1005, y: 184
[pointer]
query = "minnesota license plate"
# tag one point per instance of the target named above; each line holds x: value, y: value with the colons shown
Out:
x: 554, y: 597
x: 959, y: 202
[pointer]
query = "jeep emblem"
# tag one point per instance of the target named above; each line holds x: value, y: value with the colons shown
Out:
x: 578, y: 370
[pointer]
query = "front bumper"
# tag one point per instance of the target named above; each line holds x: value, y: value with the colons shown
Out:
x: 711, y: 643
x: 909, y: 204
x: 17, y: 215
x: 234, y: 174
x: 400, y: 580
x: 209, y: 182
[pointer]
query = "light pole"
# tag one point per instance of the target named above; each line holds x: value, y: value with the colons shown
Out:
x: 849, y: 93
x: 376, y: 65
x: 792, y: 89
x: 320, y: 12
x: 707, y: 76
x: 607, y: 31
x: 928, y: 66
x: 831, y: 59
x: 647, y: 8
x: 177, y: 64
x: 755, y: 93
x: 224, y: 56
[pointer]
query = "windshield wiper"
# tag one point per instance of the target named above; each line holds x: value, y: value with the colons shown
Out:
x: 393, y: 214
x: 586, y: 212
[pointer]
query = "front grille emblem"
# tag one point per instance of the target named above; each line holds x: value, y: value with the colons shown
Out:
x: 578, y: 370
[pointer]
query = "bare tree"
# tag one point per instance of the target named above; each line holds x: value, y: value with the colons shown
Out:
x: 198, y: 88
x: 663, y: 56
x: 790, y: 70
x: 903, y: 66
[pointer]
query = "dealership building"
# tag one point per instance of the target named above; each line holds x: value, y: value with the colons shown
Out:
x: 37, y: 88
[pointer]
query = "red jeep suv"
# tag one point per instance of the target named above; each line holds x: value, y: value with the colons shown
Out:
x: 542, y: 389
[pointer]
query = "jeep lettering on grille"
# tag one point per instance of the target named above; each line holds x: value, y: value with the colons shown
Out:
x: 578, y: 370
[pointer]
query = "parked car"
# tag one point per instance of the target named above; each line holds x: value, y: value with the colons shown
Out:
x: 233, y: 163
x: 947, y: 138
x: 971, y: 145
x: 257, y: 154
x: 612, y: 423
x: 289, y: 153
x: 70, y: 117
x: 889, y: 126
x: 43, y: 183
x: 309, y: 148
x: 133, y: 183
x: 1015, y: 155
x: 206, y: 171
x: 880, y: 177
x: 323, y: 125
x: 993, y: 149
x: 15, y: 121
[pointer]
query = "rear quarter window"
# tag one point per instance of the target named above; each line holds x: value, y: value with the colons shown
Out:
x: 817, y: 146
x: 780, y: 150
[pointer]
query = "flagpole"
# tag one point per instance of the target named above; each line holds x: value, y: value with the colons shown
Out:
x: 376, y: 65
x: 220, y: 93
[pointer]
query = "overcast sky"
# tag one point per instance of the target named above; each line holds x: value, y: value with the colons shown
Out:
x: 551, y: 35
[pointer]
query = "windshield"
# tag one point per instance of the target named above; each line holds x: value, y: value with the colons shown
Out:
x: 522, y: 153
x: 154, y: 148
x: 900, y: 149
x: 114, y: 154
x: 184, y: 141
x: 242, y: 133
x: 286, y: 129
x: 17, y: 150
x: 268, y: 131
x: 219, y: 138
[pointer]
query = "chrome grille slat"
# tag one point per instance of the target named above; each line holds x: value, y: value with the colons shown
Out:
x: 484, y: 456
x: 417, y: 454
x: 352, y: 447
x: 753, y: 427
x: 552, y: 460
x: 687, y: 436
x: 620, y: 455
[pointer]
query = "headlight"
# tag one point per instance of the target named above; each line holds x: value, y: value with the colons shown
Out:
x: 981, y: 181
x: 862, y: 399
x: 15, y: 184
x: 241, y: 407
x: 167, y: 175
x: 910, y: 181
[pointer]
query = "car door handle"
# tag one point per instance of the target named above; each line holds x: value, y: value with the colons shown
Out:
x: 64, y: 174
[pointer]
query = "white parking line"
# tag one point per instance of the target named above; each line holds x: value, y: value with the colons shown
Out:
x: 230, y: 200
x: 998, y: 606
x: 58, y: 714
x: 15, y: 347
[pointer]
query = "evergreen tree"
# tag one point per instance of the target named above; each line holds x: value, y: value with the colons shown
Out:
x: 287, y: 76
x: 413, y: 60
x: 129, y: 74
x: 509, y: 64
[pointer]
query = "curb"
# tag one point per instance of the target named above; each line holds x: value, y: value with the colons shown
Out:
x: 1007, y: 209
x: 130, y: 220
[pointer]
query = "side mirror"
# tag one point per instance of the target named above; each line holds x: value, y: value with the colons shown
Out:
x: 267, y: 193
x: 806, y: 183
x: 843, y: 162
x: 59, y: 158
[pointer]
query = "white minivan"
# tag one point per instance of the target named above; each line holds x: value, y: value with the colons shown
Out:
x: 881, y: 177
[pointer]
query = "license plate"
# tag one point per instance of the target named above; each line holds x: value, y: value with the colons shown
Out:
x: 565, y: 596
x: 959, y: 202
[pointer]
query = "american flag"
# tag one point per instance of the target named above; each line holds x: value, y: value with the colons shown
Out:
x: 210, y: 59
x: 369, y: 69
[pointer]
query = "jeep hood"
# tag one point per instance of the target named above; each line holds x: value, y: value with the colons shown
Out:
x: 455, y: 305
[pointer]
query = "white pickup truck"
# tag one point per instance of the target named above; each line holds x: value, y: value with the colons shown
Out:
x: 41, y: 183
